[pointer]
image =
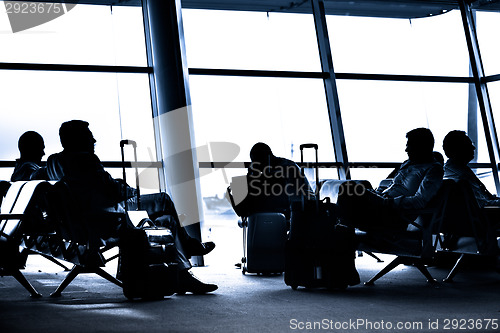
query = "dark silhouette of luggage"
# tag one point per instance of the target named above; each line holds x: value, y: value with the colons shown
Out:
x: 319, y: 251
x: 147, y: 251
x: 264, y: 236
x: 146, y: 268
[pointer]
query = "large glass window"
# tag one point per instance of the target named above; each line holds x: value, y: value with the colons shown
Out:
x: 117, y: 105
x: 488, y: 29
x: 284, y: 113
x: 250, y: 40
x: 378, y: 114
x: 427, y: 46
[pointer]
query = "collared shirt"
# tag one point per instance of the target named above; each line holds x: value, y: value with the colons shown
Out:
x: 458, y: 171
x: 26, y: 170
x: 415, y: 184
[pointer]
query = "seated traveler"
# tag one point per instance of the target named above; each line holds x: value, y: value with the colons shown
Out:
x: 459, y: 149
x: 28, y: 166
x: 273, y: 183
x: 99, y: 192
x: 416, y: 182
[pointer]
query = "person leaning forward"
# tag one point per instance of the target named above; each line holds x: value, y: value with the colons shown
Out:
x: 100, y: 192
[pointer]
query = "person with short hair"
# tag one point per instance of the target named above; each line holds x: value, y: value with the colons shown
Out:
x: 99, y: 192
x: 28, y: 166
x: 459, y: 149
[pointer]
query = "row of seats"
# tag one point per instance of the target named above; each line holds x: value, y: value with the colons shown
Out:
x: 453, y: 223
x: 40, y: 217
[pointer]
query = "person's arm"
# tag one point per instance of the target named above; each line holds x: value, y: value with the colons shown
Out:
x: 430, y: 185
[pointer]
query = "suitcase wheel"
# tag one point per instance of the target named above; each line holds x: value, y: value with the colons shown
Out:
x: 294, y: 287
x: 244, y: 270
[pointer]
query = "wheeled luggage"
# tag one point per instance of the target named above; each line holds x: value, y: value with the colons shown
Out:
x: 146, y: 265
x: 319, y: 252
x: 264, y: 236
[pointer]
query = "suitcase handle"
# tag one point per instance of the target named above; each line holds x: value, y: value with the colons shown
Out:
x: 315, y: 146
x: 128, y: 142
x: 308, y: 145
x: 134, y: 145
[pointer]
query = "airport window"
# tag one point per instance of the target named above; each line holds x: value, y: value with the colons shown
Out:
x: 250, y: 40
x: 488, y: 28
x: 424, y: 46
x: 281, y: 112
x: 116, y: 101
x: 113, y: 36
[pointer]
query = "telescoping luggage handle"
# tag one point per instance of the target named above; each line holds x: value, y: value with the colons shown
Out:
x: 134, y: 145
x: 315, y: 146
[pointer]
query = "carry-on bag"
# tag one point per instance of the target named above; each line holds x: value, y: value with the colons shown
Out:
x: 319, y: 252
x: 264, y: 237
x: 146, y: 265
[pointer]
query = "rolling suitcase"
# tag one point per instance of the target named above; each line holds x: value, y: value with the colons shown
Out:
x: 146, y: 265
x: 319, y: 252
x: 264, y: 236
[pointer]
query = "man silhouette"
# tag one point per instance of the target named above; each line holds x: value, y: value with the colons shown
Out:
x: 416, y: 182
x: 28, y: 167
x: 99, y: 192
x: 459, y: 149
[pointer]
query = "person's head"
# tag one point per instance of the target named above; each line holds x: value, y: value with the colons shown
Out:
x: 458, y: 147
x: 419, y: 145
x: 76, y: 136
x: 31, y: 146
x: 261, y: 153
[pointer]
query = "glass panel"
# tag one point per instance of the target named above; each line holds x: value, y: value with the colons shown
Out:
x: 377, y: 115
x: 284, y: 113
x: 425, y: 46
x: 85, y: 35
x: 117, y: 106
x: 250, y: 40
x: 488, y: 29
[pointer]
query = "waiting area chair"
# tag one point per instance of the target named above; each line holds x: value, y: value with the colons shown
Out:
x: 80, y: 234
x: 466, y: 229
x: 13, y: 219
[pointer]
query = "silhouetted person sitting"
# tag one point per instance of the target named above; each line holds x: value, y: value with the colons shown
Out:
x: 273, y: 182
x: 415, y: 184
x: 459, y: 149
x: 98, y: 192
x: 28, y: 166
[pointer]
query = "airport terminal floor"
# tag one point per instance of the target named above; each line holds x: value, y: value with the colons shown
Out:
x: 401, y: 301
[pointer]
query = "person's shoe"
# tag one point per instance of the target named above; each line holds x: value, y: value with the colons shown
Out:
x: 190, y: 283
x: 195, y: 248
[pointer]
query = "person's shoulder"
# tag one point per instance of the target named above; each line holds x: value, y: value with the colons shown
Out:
x: 286, y: 162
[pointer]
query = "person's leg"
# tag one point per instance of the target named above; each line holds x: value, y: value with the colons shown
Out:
x: 359, y: 207
x: 161, y: 209
x: 187, y: 281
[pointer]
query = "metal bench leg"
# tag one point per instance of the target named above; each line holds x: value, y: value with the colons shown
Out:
x: 22, y: 280
x: 421, y: 267
x: 102, y: 273
x: 67, y: 280
x: 393, y: 264
x: 54, y: 260
x: 374, y: 256
x: 454, y: 270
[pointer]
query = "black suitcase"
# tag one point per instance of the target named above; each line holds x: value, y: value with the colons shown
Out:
x: 264, y: 236
x: 146, y: 265
x: 319, y: 252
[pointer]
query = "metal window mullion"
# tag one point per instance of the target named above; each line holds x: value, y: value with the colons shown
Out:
x: 481, y: 89
x: 152, y: 89
x: 332, y: 98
